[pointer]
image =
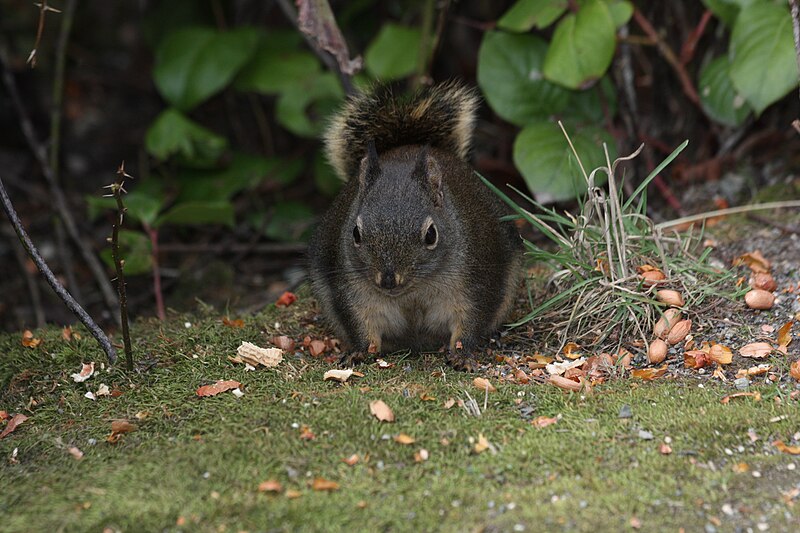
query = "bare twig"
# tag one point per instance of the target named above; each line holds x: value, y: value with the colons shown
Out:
x: 729, y: 211
x: 62, y: 293
x: 687, y: 51
x: 59, y: 200
x: 117, y: 189
x: 43, y: 8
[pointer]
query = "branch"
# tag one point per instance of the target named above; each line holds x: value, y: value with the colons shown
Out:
x: 117, y: 189
x: 59, y: 289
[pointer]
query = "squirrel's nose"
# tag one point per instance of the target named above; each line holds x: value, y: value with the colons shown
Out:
x: 388, y: 279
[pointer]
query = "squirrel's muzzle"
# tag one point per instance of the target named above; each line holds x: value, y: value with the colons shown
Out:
x: 388, y: 279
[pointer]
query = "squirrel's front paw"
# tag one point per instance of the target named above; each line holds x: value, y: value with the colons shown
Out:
x: 462, y: 360
x: 354, y: 358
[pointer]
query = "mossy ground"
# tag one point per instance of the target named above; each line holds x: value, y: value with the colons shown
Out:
x: 194, y: 464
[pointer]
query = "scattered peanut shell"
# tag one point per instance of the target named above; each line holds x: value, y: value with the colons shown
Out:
x: 679, y: 331
x: 764, y: 281
x: 652, y: 277
x: 666, y: 322
x: 657, y: 351
x: 670, y: 297
x: 338, y: 375
x: 720, y: 354
x: 759, y: 299
x: 255, y: 355
x: 756, y: 350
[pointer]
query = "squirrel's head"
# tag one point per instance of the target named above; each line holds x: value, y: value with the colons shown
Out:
x: 399, y: 230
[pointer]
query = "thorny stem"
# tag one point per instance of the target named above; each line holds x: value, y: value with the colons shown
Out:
x: 59, y: 289
x: 116, y: 190
x: 43, y: 8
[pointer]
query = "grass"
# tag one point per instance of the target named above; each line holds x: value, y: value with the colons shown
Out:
x: 195, y: 463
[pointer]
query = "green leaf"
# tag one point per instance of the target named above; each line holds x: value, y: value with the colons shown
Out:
x: 592, y: 105
x: 527, y: 14
x: 193, y: 64
x: 718, y: 95
x: 621, y: 11
x: 198, y: 212
x: 274, y: 71
x: 394, y: 53
x: 304, y: 108
x: 727, y: 10
x: 582, y: 46
x: 135, y: 249
x: 173, y: 134
x: 290, y: 221
x: 543, y: 156
x: 326, y: 180
x: 142, y: 207
x: 763, y: 62
x: 243, y: 172
x: 510, y: 76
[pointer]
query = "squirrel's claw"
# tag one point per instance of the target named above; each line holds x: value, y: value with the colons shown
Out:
x: 354, y: 358
x: 464, y: 361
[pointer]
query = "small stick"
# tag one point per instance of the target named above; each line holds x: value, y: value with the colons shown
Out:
x: 59, y: 289
x: 687, y: 51
x: 729, y: 211
x: 116, y: 191
x: 43, y: 8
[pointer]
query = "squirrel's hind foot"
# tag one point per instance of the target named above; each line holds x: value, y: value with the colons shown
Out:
x: 354, y: 358
x: 463, y: 361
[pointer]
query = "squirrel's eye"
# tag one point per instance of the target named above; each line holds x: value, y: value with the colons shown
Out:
x: 356, y: 236
x: 431, y: 237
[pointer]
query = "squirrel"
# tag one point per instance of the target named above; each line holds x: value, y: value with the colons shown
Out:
x: 412, y: 253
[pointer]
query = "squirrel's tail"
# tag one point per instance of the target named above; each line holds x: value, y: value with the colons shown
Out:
x: 442, y: 115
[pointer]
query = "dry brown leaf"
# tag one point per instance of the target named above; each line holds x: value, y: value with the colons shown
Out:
x: 785, y: 334
x: 317, y: 347
x: 321, y: 483
x: 649, y: 374
x: 218, y: 387
x: 306, y: 433
x: 402, y: 438
x: 4, y: 414
x: 783, y: 447
x: 720, y: 354
x: 756, y: 350
x: 286, y: 299
x: 794, y: 370
x: 15, y: 421
x: 570, y: 350
x: 741, y: 468
x: 544, y: 421
x: 270, y: 485
x: 381, y: 411
x: 425, y: 397
x: 755, y: 395
x: 754, y: 260
x: 484, y: 384
x: 28, y: 340
x: 292, y: 494
x: 350, y: 461
x: 564, y: 383
x: 754, y: 371
x: 284, y: 343
x: 87, y: 369
x: 482, y: 444
x: 122, y: 426
x: 338, y: 375
x: 237, y: 323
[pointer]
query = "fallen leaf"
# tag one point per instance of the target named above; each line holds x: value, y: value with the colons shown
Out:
x: 649, y: 374
x: 256, y: 355
x: 218, y: 387
x: 87, y: 369
x: 695, y: 358
x: 306, y: 433
x: 521, y: 377
x: 286, y: 299
x: 316, y: 347
x: 122, y: 426
x: 75, y: 452
x: 754, y: 370
x: 292, y: 494
x: 785, y: 335
x: 4, y: 415
x: 425, y: 397
x: 482, y: 445
x: 794, y: 370
x: 564, y: 383
x: 402, y: 438
x: 28, y: 340
x: 755, y: 395
x: 320, y: 483
x: 350, y: 461
x: 756, y: 350
x: 741, y: 468
x: 338, y: 375
x: 570, y: 350
x: 15, y: 421
x: 381, y: 411
x: 284, y: 343
x: 720, y: 354
x: 544, y: 421
x: 237, y: 323
x: 484, y: 384
x: 754, y: 260
x: 793, y: 450
x: 270, y: 485
x: 142, y: 415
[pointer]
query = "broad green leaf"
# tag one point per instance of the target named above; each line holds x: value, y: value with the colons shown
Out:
x: 727, y: 10
x: 142, y: 207
x: 510, y: 76
x: 621, y: 12
x: 592, y: 105
x: 243, y: 172
x: 304, y: 108
x: 763, y: 61
x: 135, y: 249
x: 326, y: 180
x: 198, y: 212
x: 394, y: 53
x: 193, y: 64
x: 274, y: 71
x: 543, y: 156
x: 582, y: 46
x: 718, y: 95
x: 173, y: 134
x: 290, y: 221
x: 527, y: 14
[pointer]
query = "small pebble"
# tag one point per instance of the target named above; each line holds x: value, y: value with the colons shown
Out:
x: 625, y: 412
x: 645, y: 435
x: 742, y: 383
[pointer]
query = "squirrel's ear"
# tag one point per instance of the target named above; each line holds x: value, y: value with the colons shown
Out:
x: 370, y: 167
x: 428, y: 169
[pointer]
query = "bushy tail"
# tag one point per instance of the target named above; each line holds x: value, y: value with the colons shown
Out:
x: 442, y: 115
